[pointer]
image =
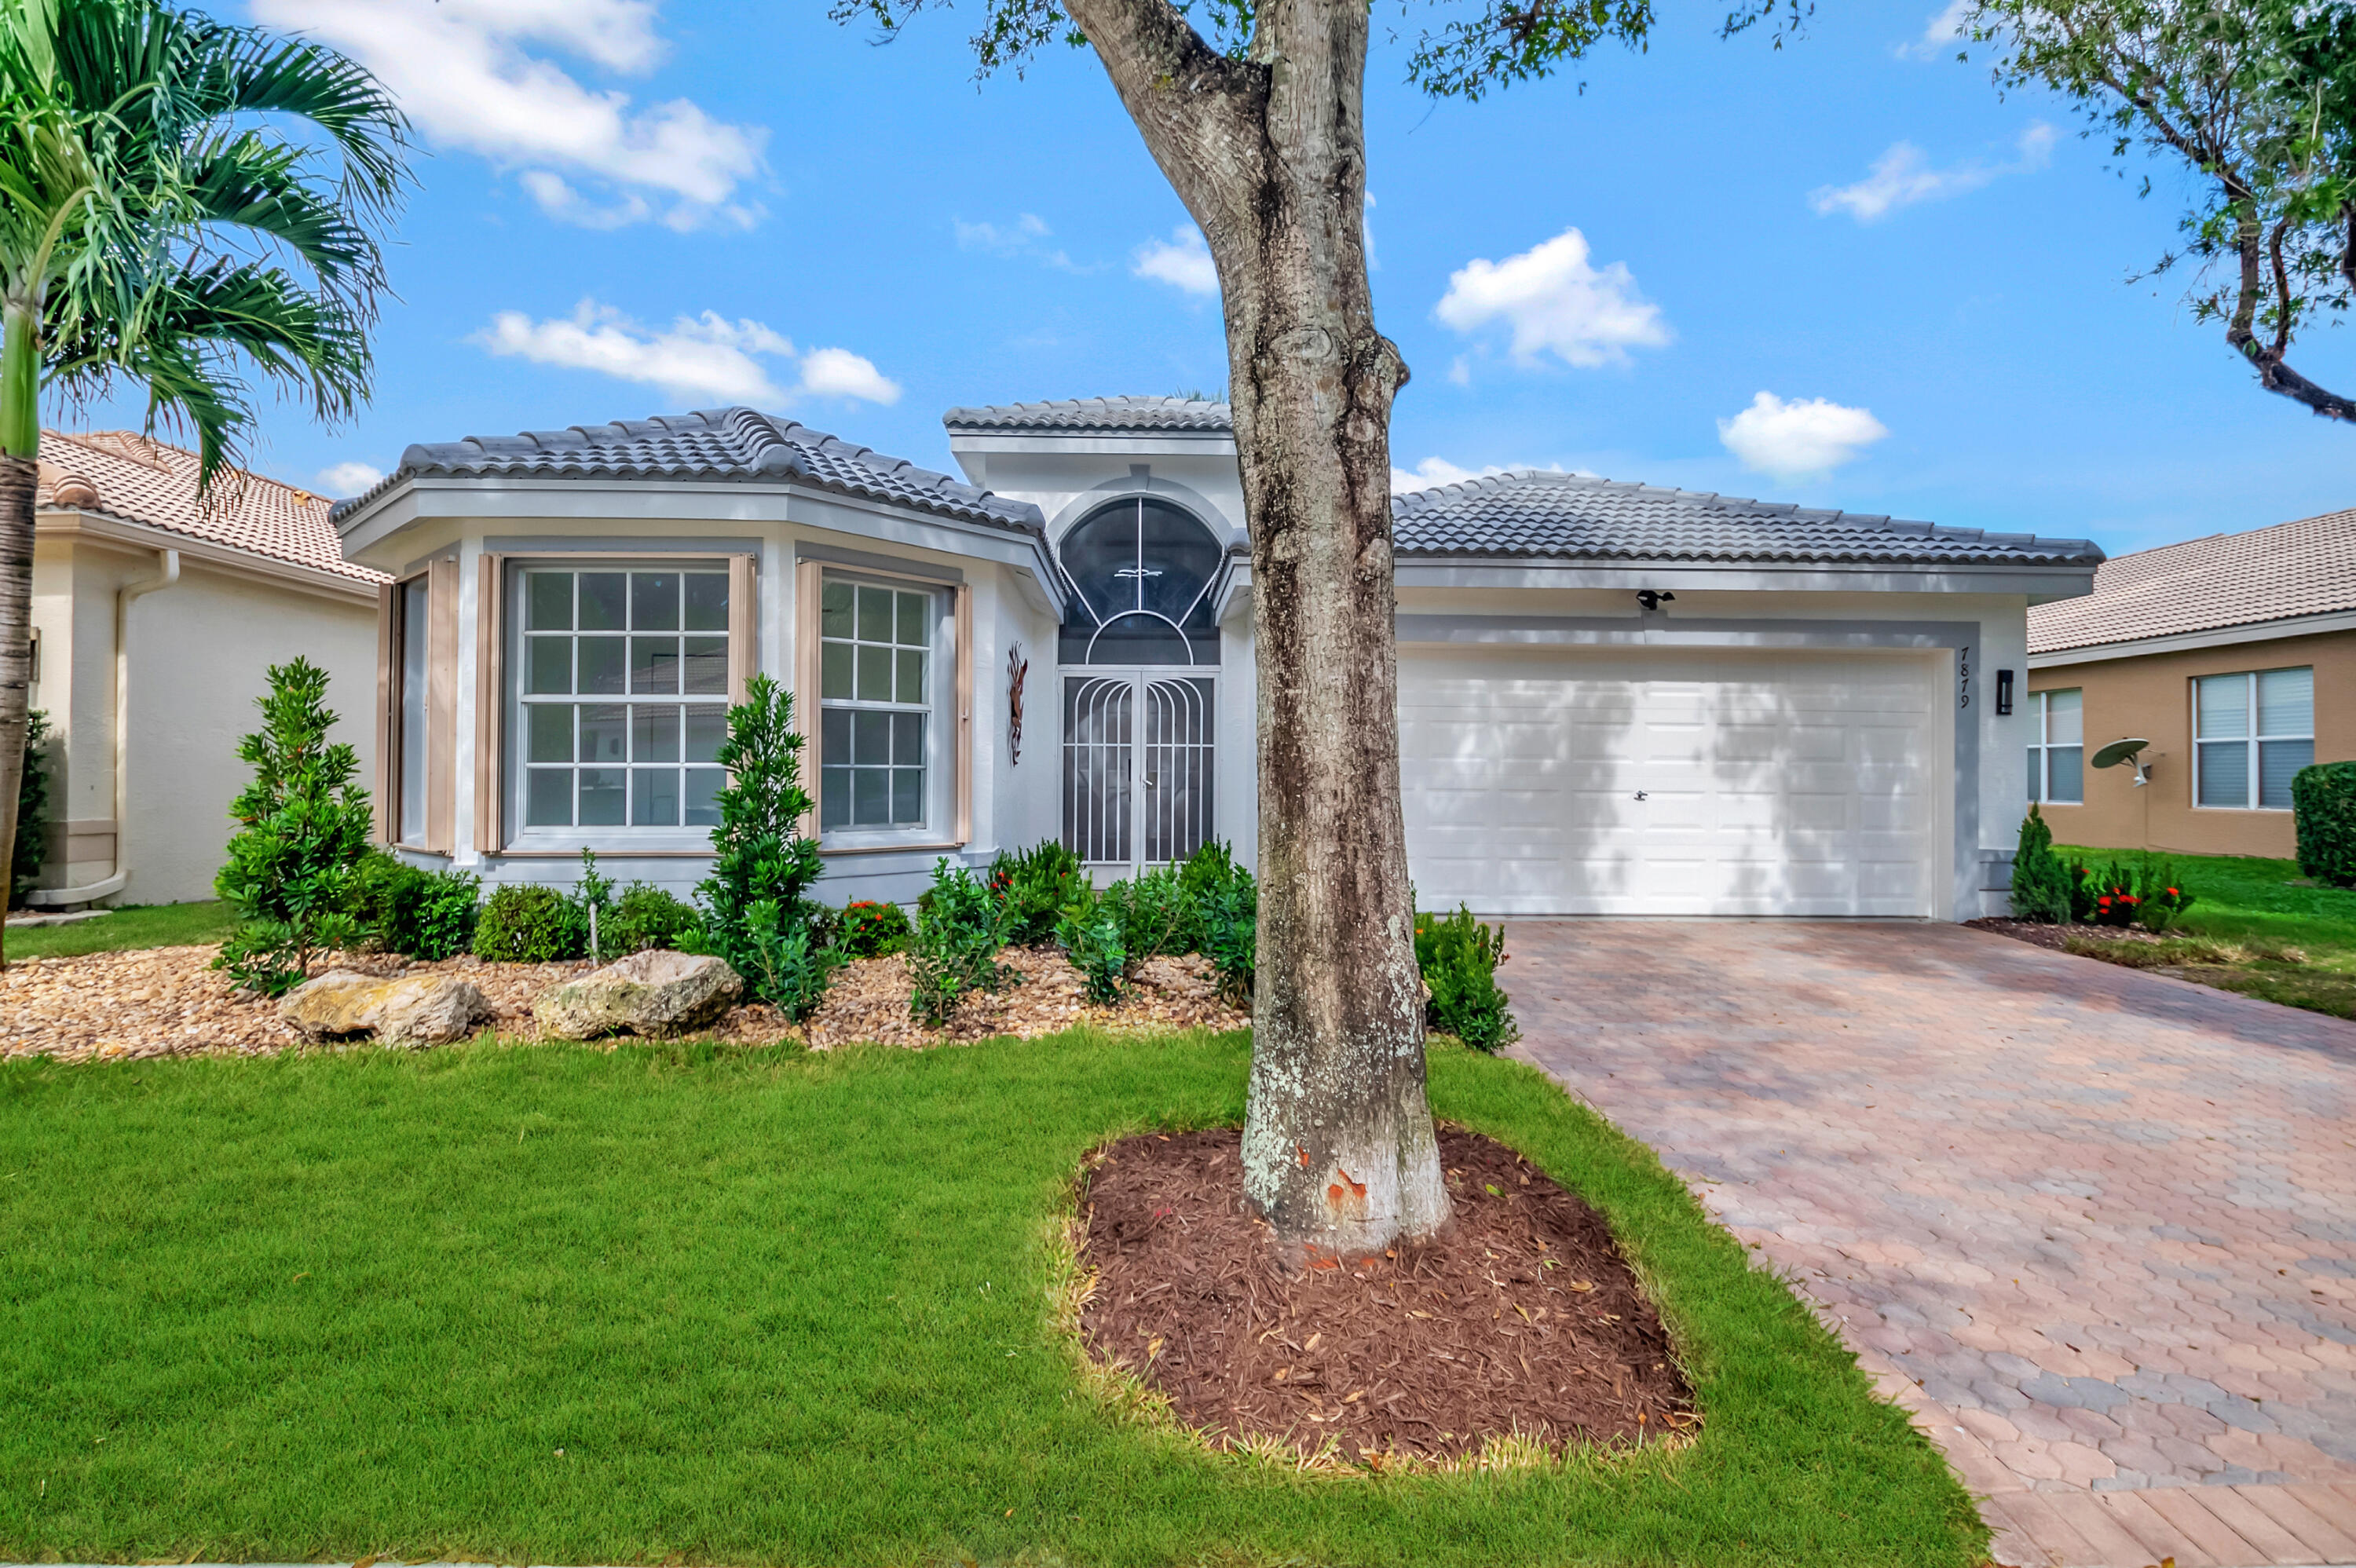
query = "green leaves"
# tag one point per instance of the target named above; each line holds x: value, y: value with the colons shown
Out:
x: 762, y: 864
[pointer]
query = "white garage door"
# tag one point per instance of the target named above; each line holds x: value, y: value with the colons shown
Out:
x: 1652, y: 781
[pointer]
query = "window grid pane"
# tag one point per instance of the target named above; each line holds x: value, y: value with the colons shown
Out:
x: 628, y: 636
x: 874, y: 663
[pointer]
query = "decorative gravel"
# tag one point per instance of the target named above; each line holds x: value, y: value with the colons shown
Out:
x: 170, y: 1002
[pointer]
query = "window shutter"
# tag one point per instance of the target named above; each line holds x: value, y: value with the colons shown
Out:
x: 388, y: 714
x: 442, y: 707
x: 810, y: 589
x: 964, y: 620
x: 490, y: 704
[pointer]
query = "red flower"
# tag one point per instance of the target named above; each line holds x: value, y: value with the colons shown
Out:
x: 2174, y: 895
x: 2104, y: 901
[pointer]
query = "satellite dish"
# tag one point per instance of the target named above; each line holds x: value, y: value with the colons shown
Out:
x: 2118, y: 752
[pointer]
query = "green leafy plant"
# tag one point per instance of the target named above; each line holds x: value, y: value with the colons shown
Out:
x: 1090, y: 934
x: 526, y: 922
x: 2040, y: 883
x: 422, y: 915
x: 763, y: 864
x: 592, y: 896
x: 961, y: 929
x: 644, y: 916
x: 868, y: 929
x: 2161, y: 900
x: 1229, y: 918
x: 303, y: 832
x: 1458, y: 956
x: 32, y: 809
x: 2323, y: 804
x: 790, y: 966
x: 1155, y: 912
x: 1036, y: 886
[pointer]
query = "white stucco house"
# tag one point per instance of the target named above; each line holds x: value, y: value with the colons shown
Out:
x: 1614, y: 699
x: 156, y: 619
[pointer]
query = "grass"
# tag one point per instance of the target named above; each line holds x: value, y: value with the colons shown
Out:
x: 2260, y: 927
x: 135, y: 925
x: 540, y: 1303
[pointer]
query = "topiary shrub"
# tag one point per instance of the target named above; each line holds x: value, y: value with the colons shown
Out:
x: 525, y: 923
x: 644, y: 916
x: 866, y: 929
x: 32, y: 810
x: 2040, y: 883
x: 762, y: 864
x: 427, y: 915
x: 2323, y: 803
x: 1459, y: 957
x: 959, y: 931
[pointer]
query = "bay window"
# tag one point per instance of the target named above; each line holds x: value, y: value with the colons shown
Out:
x: 2057, y: 747
x: 2252, y: 731
x: 877, y: 691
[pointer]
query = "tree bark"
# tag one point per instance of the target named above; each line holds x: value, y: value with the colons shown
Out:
x: 18, y: 478
x: 1269, y: 153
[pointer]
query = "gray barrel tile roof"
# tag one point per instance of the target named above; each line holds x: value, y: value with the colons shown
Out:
x: 1534, y: 512
x: 738, y: 444
x: 1097, y: 416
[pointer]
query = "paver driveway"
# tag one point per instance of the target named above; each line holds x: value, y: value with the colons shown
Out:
x: 2097, y: 1227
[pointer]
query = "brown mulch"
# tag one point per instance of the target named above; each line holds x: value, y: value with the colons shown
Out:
x: 2037, y: 934
x: 1521, y: 1318
x: 170, y: 1002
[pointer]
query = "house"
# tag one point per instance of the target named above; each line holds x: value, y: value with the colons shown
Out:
x: 1614, y: 699
x: 2234, y: 657
x: 155, y: 618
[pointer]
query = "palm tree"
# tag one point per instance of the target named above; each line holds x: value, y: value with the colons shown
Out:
x: 187, y: 206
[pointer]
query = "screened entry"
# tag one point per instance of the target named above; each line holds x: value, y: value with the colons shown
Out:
x: 1138, y: 754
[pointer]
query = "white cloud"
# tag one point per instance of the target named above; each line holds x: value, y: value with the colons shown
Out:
x: 1181, y: 260
x: 1436, y: 471
x: 1941, y: 34
x: 1902, y: 176
x: 1796, y: 439
x: 1025, y: 237
x: 699, y: 359
x: 465, y: 72
x: 348, y: 479
x: 1557, y: 301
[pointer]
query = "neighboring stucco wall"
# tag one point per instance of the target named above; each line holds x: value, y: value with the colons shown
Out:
x: 2150, y: 696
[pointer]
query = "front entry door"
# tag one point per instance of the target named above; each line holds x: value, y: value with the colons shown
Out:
x: 1137, y: 766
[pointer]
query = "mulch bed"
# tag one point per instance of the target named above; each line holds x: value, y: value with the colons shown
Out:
x: 1520, y: 1320
x: 2036, y: 933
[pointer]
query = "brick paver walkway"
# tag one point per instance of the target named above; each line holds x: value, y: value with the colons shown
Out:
x: 2096, y: 1228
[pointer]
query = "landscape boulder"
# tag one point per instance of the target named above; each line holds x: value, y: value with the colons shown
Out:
x: 408, y: 1009
x: 655, y: 993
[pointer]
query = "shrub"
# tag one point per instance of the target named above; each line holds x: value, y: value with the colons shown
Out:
x: 2040, y: 883
x: 1229, y: 915
x: 2161, y: 901
x: 644, y: 916
x: 959, y: 931
x: 790, y: 964
x: 1036, y: 886
x: 525, y: 923
x: 761, y: 861
x: 427, y: 915
x: 592, y: 895
x: 1155, y: 913
x: 866, y: 929
x: 302, y: 832
x: 1090, y: 934
x: 1459, y: 957
x: 2121, y: 893
x: 32, y: 839
x: 2323, y: 800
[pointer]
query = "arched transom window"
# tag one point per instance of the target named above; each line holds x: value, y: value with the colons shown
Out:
x: 1142, y: 572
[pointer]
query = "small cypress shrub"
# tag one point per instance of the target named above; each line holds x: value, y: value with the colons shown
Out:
x: 525, y: 923
x: 2323, y: 802
x: 2041, y: 884
x: 762, y: 865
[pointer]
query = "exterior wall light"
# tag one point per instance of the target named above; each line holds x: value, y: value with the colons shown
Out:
x: 2003, y: 691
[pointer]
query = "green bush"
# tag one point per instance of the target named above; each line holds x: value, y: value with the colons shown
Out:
x: 1225, y: 902
x: 866, y: 929
x: 790, y: 964
x: 303, y: 832
x: 2323, y: 800
x: 2040, y: 883
x: 32, y: 839
x: 761, y: 859
x: 1036, y: 886
x: 644, y: 916
x: 1459, y: 957
x: 1089, y: 934
x: 427, y: 915
x: 960, y: 932
x: 526, y: 922
x: 1155, y: 913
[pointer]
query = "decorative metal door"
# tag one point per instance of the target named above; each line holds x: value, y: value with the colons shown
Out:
x: 1138, y: 757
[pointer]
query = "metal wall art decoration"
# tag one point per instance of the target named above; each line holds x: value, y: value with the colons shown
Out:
x: 1017, y: 666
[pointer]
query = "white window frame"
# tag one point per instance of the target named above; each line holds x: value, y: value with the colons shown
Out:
x: 936, y: 705
x: 2252, y: 741
x: 2043, y: 746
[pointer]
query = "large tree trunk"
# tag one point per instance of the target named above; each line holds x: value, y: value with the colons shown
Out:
x: 19, y: 478
x: 1269, y: 153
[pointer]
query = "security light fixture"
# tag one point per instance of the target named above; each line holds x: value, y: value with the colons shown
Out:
x: 2003, y: 692
x: 1653, y: 598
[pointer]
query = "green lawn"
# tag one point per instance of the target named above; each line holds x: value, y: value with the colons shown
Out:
x: 541, y: 1303
x: 137, y: 926
x: 2255, y: 909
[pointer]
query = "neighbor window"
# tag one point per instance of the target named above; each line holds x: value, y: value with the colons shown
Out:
x: 2252, y: 732
x: 2057, y: 748
x: 623, y: 692
x: 876, y: 697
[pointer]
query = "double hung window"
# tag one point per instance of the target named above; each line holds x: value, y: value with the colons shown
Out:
x: 2252, y: 732
x: 623, y: 693
x: 2057, y: 750
x: 876, y: 690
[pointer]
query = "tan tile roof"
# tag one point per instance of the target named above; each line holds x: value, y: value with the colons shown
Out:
x: 125, y: 474
x: 2306, y: 568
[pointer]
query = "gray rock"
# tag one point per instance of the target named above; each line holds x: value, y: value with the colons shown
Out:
x: 654, y: 993
x: 409, y: 1009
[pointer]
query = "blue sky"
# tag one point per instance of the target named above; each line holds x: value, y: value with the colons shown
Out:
x: 632, y: 209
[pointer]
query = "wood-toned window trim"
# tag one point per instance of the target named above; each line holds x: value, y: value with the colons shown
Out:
x: 809, y: 585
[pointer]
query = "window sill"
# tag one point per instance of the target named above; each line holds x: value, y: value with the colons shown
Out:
x: 866, y: 844
x: 663, y: 842
x: 2251, y: 810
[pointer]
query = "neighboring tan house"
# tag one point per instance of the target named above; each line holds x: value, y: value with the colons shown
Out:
x: 155, y: 620
x: 1613, y: 699
x: 2234, y: 657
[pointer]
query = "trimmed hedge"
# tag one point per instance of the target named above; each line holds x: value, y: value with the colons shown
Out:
x: 2323, y: 800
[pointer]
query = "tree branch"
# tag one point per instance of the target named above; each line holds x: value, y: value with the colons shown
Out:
x: 1198, y: 110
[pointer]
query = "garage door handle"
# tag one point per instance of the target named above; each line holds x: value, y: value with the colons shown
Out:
x: 1640, y: 794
